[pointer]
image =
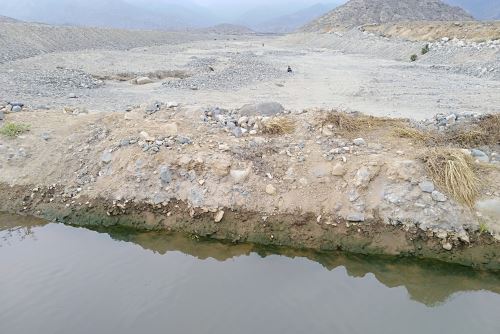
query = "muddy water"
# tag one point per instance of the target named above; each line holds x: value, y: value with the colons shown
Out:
x: 60, y: 279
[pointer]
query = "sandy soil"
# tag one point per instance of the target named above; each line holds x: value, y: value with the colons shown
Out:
x: 322, y: 78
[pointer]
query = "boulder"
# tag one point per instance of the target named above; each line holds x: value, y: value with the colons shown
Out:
x: 143, y: 81
x: 262, y: 109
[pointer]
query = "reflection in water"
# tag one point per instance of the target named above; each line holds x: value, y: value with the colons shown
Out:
x: 427, y: 282
x: 59, y: 279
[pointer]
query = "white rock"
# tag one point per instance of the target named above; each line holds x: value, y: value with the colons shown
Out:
x: 146, y: 136
x: 218, y: 216
x: 338, y: 170
x: 270, y: 189
x: 426, y: 186
x: 438, y: 197
x: 243, y: 120
x: 359, y: 142
x: 447, y: 246
x: 239, y: 175
x: 172, y: 104
x: 143, y: 81
x: 356, y: 217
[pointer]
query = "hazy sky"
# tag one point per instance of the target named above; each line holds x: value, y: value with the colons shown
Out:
x: 241, y: 5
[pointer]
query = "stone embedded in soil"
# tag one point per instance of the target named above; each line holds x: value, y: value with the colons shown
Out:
x: 447, y: 246
x: 438, y: 196
x: 359, y: 142
x: 143, y: 81
x: 426, y: 186
x: 221, y: 167
x: 165, y: 175
x: 239, y: 175
x: 16, y: 108
x: 218, y: 216
x: 262, y: 109
x: 106, y: 157
x: 338, y: 170
x: 480, y: 155
x: 270, y: 189
x: 356, y: 217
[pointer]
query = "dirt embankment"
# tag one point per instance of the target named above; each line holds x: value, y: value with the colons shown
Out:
x: 432, y: 31
x: 315, y: 179
x: 24, y: 40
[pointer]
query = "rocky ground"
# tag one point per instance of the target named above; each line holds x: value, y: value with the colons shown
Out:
x: 182, y: 136
x: 216, y: 162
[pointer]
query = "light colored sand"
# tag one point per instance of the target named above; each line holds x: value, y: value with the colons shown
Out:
x: 322, y: 78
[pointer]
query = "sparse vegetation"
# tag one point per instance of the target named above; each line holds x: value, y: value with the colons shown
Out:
x: 453, y: 171
x: 485, y: 132
x: 350, y: 125
x: 425, y: 49
x: 413, y: 57
x: 483, y: 228
x: 14, y: 129
x: 279, y: 126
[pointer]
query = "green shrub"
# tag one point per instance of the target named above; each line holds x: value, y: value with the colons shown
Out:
x: 413, y: 57
x: 425, y: 49
x: 14, y: 129
x: 483, y: 228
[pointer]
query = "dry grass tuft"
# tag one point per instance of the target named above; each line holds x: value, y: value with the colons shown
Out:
x: 278, y: 126
x: 485, y: 132
x: 354, y: 123
x: 411, y: 133
x: 454, y: 171
x: 490, y: 125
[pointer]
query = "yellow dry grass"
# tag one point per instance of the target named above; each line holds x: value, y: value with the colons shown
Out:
x: 278, y: 126
x: 454, y: 172
x: 352, y: 124
x: 484, y: 132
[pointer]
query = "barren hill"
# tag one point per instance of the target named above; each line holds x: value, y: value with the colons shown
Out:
x: 6, y: 19
x: 360, y: 12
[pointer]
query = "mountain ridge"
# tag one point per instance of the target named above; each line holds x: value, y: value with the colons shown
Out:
x: 360, y: 12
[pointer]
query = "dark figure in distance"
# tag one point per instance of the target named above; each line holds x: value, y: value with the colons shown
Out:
x: 289, y: 70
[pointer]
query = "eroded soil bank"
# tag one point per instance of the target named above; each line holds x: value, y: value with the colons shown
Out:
x: 313, y: 179
x: 300, y: 231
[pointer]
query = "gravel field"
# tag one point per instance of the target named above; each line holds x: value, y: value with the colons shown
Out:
x: 73, y: 67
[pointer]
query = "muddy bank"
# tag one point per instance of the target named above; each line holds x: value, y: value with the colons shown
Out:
x: 313, y: 179
x: 299, y: 231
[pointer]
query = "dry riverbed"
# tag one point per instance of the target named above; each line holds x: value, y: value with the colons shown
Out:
x: 309, y: 179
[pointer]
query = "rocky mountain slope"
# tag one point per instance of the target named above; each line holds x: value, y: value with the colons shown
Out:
x: 359, y: 12
x: 5, y: 19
